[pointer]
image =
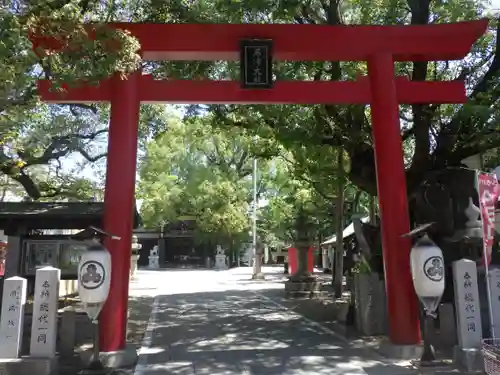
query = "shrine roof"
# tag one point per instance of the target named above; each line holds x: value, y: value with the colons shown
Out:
x: 53, y: 215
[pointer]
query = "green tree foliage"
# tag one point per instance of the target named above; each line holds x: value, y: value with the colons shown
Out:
x: 296, y: 214
x: 289, y: 198
x: 196, y: 170
x: 35, y: 137
x: 434, y: 135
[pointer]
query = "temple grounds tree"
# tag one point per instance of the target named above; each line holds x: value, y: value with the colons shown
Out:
x: 428, y: 130
x: 436, y: 135
x: 35, y: 138
x: 296, y: 214
x: 196, y: 170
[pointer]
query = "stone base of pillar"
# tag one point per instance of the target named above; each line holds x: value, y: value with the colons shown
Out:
x: 258, y: 276
x: 121, y: 358
x: 303, y: 289
x: 133, y: 266
x: 26, y: 365
x: 470, y: 360
x: 402, y: 352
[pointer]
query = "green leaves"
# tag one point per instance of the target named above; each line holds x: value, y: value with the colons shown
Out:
x: 197, y: 170
x: 311, y: 135
x: 35, y: 137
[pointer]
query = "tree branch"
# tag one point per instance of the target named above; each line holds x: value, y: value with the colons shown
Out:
x: 448, y: 136
x: 420, y: 11
x: 59, y: 147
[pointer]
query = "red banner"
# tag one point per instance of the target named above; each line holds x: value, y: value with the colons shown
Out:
x: 488, y: 190
x: 3, y: 256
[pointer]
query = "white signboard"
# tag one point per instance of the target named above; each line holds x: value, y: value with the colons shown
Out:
x: 469, y: 329
x: 12, y: 318
x: 44, y: 325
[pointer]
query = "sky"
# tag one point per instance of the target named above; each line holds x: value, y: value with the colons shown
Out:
x: 70, y: 163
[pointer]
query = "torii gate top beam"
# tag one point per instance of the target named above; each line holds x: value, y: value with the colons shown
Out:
x: 150, y: 91
x: 302, y: 42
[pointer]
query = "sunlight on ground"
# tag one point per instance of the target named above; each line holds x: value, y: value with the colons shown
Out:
x: 223, y: 323
x: 232, y: 341
x: 147, y: 351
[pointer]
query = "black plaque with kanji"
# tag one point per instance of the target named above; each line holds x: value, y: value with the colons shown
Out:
x: 256, y: 63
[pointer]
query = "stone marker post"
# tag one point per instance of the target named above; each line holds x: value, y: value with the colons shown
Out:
x: 469, y: 329
x: 495, y: 296
x: 44, y: 325
x: 467, y: 353
x: 12, y: 318
x: 154, y: 258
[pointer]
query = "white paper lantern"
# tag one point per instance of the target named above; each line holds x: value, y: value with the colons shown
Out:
x: 94, y: 275
x: 427, y: 268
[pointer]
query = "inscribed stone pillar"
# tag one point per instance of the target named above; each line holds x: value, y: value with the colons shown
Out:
x: 495, y: 298
x: 44, y: 325
x: 12, y: 318
x: 467, y: 307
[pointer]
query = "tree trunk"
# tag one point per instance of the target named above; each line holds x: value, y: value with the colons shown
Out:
x: 238, y: 254
x: 257, y: 267
x: 355, y: 204
x: 302, y: 258
x: 338, y: 275
x: 372, y: 210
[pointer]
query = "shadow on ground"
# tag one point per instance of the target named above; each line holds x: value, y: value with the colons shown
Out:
x: 240, y: 332
x: 139, y: 313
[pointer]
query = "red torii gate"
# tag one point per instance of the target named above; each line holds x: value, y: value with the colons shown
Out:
x: 380, y: 46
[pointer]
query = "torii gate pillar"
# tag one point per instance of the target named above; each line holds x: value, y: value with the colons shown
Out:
x: 391, y: 188
x: 119, y: 200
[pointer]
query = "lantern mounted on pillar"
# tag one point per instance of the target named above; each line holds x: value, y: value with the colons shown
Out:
x: 256, y: 63
x: 427, y: 269
x: 94, y: 280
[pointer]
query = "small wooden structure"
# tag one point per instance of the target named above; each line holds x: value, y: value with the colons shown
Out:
x: 30, y: 246
x: 328, y: 247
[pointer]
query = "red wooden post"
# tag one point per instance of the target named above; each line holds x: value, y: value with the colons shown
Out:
x: 292, y: 260
x: 119, y: 201
x: 391, y: 186
x: 310, y: 259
